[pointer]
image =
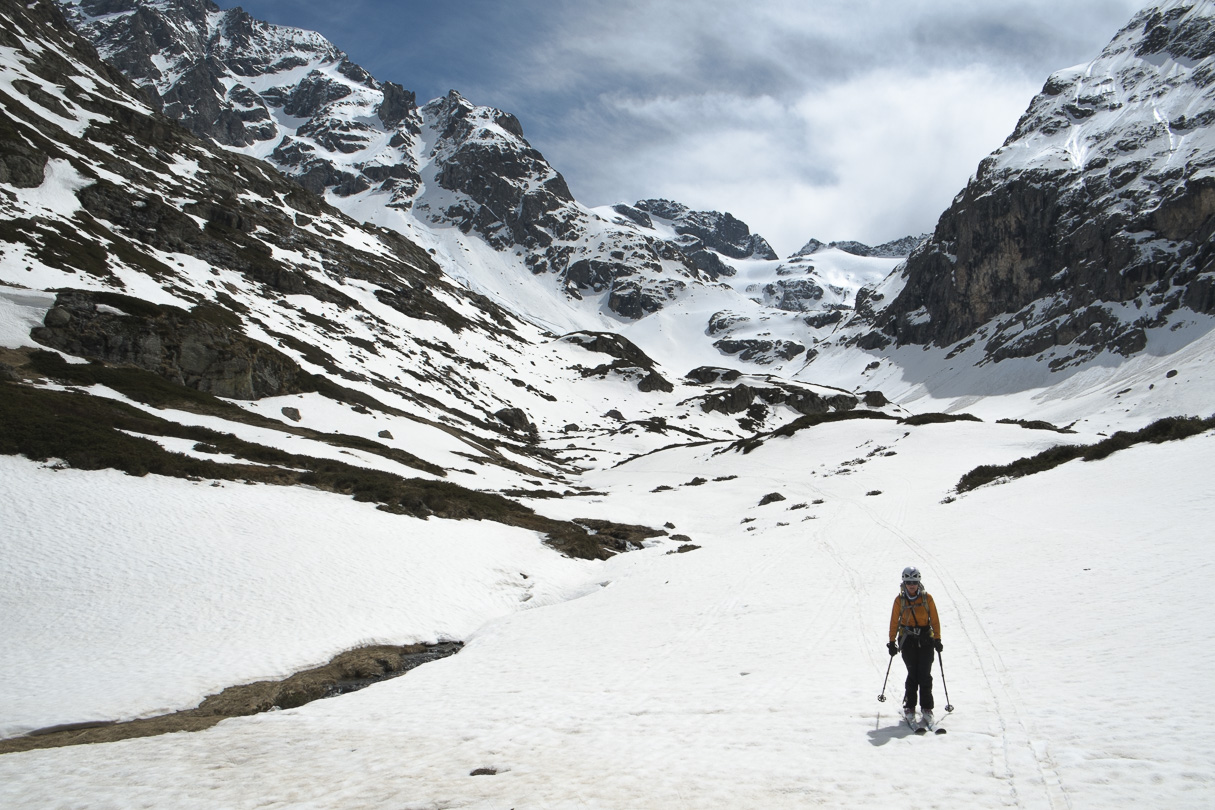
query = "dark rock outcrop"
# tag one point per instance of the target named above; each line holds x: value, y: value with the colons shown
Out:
x: 793, y: 294
x: 517, y: 420
x: 21, y: 165
x: 634, y: 214
x: 874, y: 399
x: 194, y: 349
x: 634, y: 298
x: 742, y: 396
x: 710, y: 263
x: 706, y: 375
x: 630, y: 361
x: 760, y: 350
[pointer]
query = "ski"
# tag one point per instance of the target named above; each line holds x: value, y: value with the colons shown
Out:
x: 921, y: 729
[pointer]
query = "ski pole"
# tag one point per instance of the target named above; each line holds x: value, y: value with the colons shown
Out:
x: 941, y: 661
x: 882, y: 697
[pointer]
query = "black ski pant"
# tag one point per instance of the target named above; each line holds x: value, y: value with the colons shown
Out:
x: 918, y: 654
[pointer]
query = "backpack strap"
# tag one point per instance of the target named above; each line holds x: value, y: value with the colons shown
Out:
x: 905, y: 605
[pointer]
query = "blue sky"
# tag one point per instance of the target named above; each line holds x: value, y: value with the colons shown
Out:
x: 836, y: 119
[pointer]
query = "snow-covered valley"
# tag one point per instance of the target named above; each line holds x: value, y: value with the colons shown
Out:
x: 744, y: 672
x: 658, y: 482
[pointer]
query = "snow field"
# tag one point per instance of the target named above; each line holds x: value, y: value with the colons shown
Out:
x: 634, y: 694
x: 137, y: 596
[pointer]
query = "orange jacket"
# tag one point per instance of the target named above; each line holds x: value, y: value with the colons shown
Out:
x: 918, y: 612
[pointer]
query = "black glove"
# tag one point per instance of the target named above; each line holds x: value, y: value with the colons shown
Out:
x: 936, y: 642
x: 894, y: 648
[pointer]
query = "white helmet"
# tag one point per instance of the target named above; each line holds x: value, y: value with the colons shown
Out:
x: 911, y: 574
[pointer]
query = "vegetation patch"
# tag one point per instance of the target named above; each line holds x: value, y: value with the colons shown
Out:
x: 152, y: 389
x: 57, y: 245
x: 589, y: 538
x: 1162, y: 430
x: 535, y: 493
x: 1034, y: 424
x: 139, y: 385
x: 938, y: 418
x: 92, y: 433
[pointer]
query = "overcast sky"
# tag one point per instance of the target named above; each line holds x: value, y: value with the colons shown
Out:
x: 833, y: 119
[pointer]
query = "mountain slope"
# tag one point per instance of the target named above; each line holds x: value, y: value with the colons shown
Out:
x: 457, y: 178
x: 184, y: 272
x: 173, y: 259
x: 293, y: 98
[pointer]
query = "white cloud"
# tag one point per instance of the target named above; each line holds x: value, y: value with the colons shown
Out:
x: 872, y: 158
x: 902, y: 146
x: 833, y: 120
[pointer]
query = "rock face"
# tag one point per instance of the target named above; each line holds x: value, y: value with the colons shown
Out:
x: 20, y: 165
x: 513, y: 196
x: 197, y: 350
x: 793, y: 294
x: 1092, y: 224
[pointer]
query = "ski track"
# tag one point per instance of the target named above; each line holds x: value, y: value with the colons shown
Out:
x: 1014, y: 750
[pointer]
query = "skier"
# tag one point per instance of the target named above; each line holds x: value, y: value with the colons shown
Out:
x: 914, y: 620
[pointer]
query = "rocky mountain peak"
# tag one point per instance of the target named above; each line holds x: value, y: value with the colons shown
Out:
x: 723, y: 233
x: 894, y: 249
x: 810, y: 248
x: 1091, y: 226
x: 509, y: 192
